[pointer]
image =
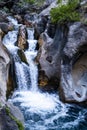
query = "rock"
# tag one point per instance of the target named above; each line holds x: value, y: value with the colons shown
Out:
x: 3, y: 16
x: 49, y: 57
x: 51, y: 29
x: 28, y: 20
x: 19, y: 18
x: 22, y: 38
x: 73, y: 87
x: 40, y: 26
x: 22, y: 56
x: 46, y: 12
x: 6, y: 27
x: 19, y: 8
x: 4, y: 69
x: 6, y: 122
x: 15, y: 112
x: 48, y: 2
x: 11, y: 82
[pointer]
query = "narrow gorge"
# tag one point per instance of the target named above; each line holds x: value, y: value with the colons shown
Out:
x: 43, y: 67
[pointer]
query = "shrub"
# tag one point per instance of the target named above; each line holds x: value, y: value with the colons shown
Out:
x: 65, y: 13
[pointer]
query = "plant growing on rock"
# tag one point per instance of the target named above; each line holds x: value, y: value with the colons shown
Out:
x: 65, y: 12
x: 20, y: 126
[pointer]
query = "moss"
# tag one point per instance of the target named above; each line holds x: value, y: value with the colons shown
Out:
x: 65, y: 12
x: 20, y: 126
x: 0, y: 105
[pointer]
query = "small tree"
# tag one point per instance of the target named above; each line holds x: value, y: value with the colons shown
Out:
x: 65, y: 12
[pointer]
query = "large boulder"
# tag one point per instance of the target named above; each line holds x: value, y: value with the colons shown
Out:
x: 73, y: 87
x: 4, y: 69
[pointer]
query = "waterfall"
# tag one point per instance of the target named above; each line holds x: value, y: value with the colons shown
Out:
x: 12, y: 20
x: 21, y: 69
x: 42, y: 111
x: 31, y: 54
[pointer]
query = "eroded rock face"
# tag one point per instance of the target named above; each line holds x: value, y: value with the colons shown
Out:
x: 73, y: 86
x: 4, y: 69
x: 49, y: 57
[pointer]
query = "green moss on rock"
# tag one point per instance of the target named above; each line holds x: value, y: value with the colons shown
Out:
x: 20, y: 125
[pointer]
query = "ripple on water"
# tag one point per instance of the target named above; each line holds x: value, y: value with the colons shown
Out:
x: 43, y: 111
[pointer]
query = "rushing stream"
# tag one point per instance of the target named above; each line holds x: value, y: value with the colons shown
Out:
x: 42, y: 111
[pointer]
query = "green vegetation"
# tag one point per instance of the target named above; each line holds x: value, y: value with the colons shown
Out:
x: 65, y: 12
x: 30, y: 1
x: 20, y: 126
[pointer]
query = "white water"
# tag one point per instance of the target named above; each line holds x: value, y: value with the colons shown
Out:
x: 12, y: 20
x: 30, y: 55
x: 42, y: 111
x: 30, y: 97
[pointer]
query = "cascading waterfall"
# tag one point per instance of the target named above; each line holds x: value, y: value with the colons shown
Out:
x: 30, y: 55
x: 20, y: 67
x: 42, y: 111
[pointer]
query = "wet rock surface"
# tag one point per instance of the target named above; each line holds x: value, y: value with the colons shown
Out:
x: 22, y: 38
